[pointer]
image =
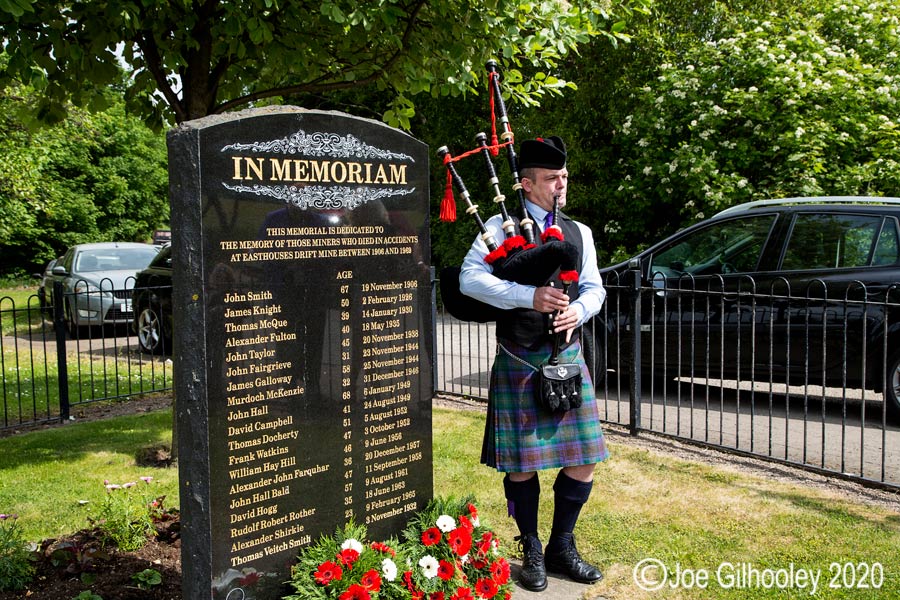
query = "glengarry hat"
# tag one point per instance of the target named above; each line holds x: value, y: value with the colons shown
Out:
x: 543, y: 153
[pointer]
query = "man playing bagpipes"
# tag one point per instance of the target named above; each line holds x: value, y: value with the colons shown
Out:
x: 522, y: 437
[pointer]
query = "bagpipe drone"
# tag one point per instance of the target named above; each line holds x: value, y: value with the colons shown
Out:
x: 519, y: 258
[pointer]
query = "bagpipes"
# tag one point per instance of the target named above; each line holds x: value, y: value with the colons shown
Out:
x: 518, y: 258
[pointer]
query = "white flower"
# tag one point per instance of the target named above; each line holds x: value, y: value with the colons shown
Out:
x: 800, y: 131
x: 446, y: 523
x: 429, y: 566
x: 389, y: 569
x: 648, y: 170
x: 352, y: 545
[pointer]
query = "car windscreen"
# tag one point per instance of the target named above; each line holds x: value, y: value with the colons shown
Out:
x: 114, y: 259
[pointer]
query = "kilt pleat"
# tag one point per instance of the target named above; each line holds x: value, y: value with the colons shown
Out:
x: 519, y: 436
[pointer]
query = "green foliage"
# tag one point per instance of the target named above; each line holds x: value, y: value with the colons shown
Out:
x: 93, y: 177
x: 147, y: 578
x: 87, y: 595
x: 713, y: 104
x: 15, y: 562
x: 125, y: 517
x: 229, y: 54
x: 798, y: 103
x: 78, y: 558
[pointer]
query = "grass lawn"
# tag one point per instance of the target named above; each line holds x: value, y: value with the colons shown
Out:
x: 693, y: 518
x: 20, y: 311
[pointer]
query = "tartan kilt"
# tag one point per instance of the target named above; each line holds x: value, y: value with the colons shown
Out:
x: 520, y: 436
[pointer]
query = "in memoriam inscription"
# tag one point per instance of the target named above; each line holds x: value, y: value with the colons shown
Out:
x: 303, y: 346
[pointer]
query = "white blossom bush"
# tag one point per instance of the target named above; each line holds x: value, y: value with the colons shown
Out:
x: 783, y: 105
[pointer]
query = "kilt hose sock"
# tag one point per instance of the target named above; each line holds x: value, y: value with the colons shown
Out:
x: 569, y: 496
x: 522, y: 498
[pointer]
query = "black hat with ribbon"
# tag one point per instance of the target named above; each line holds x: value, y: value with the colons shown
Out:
x: 543, y: 153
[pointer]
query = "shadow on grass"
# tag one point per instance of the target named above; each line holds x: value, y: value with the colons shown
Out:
x: 121, y: 435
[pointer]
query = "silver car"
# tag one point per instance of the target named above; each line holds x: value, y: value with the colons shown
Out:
x: 97, y: 281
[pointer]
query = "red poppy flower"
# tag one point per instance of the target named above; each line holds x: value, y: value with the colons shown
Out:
x: 436, y: 596
x: 355, y: 592
x: 407, y: 580
x: 380, y: 547
x: 466, y: 523
x: 432, y: 536
x: 328, y: 571
x: 486, y: 588
x: 371, y: 580
x: 460, y: 541
x: 348, y: 556
x: 473, y: 511
x: 484, y: 546
x: 445, y: 570
x: 418, y: 596
x: 500, y: 571
x: 478, y: 564
x: 463, y: 593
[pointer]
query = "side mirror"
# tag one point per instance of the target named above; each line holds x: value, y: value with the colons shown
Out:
x: 59, y: 270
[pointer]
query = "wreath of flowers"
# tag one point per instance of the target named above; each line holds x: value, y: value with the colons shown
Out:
x: 452, y: 556
x: 446, y: 554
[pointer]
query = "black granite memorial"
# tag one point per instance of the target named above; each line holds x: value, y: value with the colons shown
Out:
x: 303, y: 338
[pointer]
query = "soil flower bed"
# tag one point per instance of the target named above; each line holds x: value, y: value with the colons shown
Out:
x: 70, y: 565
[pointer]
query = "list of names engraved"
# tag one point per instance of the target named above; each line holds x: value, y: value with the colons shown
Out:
x: 320, y: 382
x: 262, y: 462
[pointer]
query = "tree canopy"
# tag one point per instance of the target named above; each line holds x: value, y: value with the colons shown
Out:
x: 712, y: 105
x: 93, y: 177
x: 191, y: 58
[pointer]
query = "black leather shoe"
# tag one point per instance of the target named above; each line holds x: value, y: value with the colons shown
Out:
x: 562, y: 557
x: 533, y: 576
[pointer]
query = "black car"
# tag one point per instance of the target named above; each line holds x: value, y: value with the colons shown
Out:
x: 152, y: 302
x: 798, y: 291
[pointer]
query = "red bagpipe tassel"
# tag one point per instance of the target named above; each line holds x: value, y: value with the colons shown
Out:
x: 495, y: 255
x: 568, y: 276
x: 552, y: 232
x: 448, y: 204
x: 514, y: 244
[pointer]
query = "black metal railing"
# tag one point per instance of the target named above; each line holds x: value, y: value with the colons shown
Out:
x: 795, y: 376
x: 52, y: 362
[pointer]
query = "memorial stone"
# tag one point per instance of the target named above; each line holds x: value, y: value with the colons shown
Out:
x: 303, y: 338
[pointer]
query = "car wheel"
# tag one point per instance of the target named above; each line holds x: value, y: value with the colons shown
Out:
x: 72, y: 327
x: 150, y: 334
x: 892, y: 390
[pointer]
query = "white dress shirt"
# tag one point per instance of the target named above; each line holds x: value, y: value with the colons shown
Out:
x: 477, y: 280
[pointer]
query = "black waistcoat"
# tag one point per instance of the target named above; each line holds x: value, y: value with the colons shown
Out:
x: 528, y: 327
